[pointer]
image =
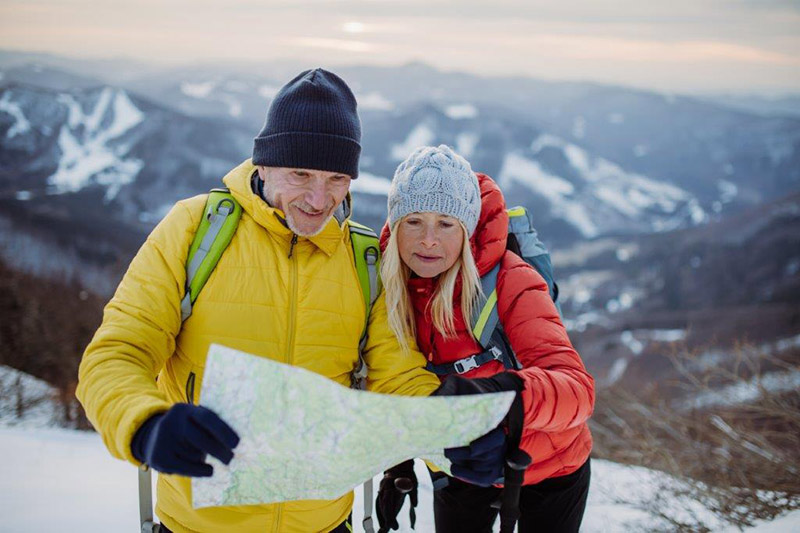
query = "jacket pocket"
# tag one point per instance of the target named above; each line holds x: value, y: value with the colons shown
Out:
x: 190, y: 387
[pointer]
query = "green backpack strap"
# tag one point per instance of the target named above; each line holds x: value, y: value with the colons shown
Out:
x: 213, y: 235
x: 367, y: 254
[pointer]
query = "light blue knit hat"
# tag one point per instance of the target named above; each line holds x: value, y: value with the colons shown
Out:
x: 437, y: 180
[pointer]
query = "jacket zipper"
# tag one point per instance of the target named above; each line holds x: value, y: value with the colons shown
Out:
x: 293, y: 291
x: 190, y: 387
x: 290, y: 339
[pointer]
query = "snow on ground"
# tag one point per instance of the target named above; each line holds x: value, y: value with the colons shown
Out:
x: 65, y: 480
x: 25, y: 394
x: 747, y: 391
x: 55, y: 479
x: 616, y: 371
x: 634, y: 345
x: 579, y: 288
x: 62, y: 479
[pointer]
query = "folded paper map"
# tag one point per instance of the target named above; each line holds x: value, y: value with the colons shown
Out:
x: 304, y: 436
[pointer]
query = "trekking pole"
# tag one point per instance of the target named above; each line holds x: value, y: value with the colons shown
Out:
x: 146, y: 522
x: 403, y: 485
x: 517, y: 461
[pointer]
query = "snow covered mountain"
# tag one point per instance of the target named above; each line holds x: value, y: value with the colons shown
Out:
x: 626, y: 301
x: 692, y: 143
x: 590, y: 161
x: 574, y: 193
x: 677, y: 160
x: 105, y: 144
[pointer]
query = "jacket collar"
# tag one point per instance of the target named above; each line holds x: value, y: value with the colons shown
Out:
x: 273, y: 220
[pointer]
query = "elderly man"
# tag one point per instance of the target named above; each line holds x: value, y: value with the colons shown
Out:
x: 285, y: 288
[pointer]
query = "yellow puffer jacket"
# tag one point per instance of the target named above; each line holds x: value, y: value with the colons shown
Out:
x: 305, y: 310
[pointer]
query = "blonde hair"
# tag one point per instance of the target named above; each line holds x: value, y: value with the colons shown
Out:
x: 395, y: 275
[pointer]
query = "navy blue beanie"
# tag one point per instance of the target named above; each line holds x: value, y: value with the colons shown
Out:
x: 312, y: 123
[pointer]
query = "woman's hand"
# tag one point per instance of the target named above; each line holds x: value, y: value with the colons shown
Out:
x: 483, y: 461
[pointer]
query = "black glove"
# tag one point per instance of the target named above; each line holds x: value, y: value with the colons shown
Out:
x: 396, y: 483
x: 176, y: 442
x: 483, y: 461
x: 458, y: 386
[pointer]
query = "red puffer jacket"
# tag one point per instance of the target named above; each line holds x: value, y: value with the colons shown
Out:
x: 559, y: 393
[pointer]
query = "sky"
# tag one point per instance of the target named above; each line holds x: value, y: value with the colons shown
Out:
x: 695, y: 46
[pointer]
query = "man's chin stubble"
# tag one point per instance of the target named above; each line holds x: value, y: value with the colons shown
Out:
x: 298, y: 232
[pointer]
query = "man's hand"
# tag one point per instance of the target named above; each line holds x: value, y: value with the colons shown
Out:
x: 396, y: 483
x: 483, y: 461
x: 176, y: 442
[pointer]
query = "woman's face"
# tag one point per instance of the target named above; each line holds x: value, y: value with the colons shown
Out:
x: 429, y: 243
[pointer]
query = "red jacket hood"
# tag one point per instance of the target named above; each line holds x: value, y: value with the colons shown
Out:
x: 489, y: 240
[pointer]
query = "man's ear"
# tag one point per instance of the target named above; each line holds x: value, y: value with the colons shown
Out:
x: 262, y: 172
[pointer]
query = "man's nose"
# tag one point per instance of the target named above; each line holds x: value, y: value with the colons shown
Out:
x: 317, y: 196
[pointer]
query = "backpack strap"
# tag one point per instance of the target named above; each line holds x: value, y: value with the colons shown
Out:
x: 213, y: 235
x: 366, y: 251
x: 367, y: 254
x: 466, y: 364
x: 485, y: 317
x: 523, y: 240
x: 486, y: 326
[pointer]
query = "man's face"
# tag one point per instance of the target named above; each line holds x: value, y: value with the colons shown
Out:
x: 308, y: 198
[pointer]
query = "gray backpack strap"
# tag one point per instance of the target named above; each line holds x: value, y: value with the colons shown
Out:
x: 366, y: 253
x: 485, y: 317
x: 359, y: 376
x: 488, y: 330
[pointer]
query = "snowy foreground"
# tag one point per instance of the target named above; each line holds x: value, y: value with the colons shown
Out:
x: 65, y: 480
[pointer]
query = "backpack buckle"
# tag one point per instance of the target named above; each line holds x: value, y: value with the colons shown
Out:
x: 465, y: 365
x: 371, y: 255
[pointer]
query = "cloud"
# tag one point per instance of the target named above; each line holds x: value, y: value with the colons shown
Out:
x: 635, y: 50
x: 333, y: 44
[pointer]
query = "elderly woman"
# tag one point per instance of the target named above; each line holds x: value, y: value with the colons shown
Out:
x: 447, y: 227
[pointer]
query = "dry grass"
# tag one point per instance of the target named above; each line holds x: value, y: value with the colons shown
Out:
x: 740, y: 459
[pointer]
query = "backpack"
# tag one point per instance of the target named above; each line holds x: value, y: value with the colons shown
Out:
x: 524, y: 241
x: 214, y: 233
